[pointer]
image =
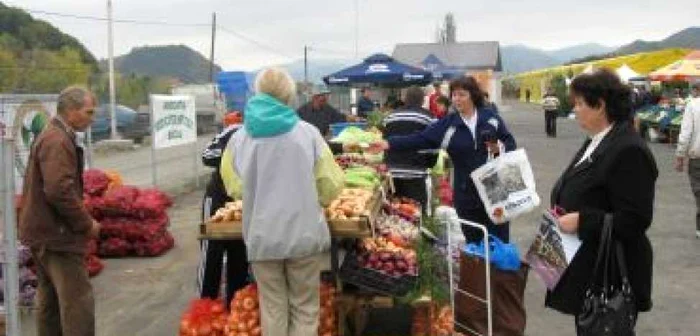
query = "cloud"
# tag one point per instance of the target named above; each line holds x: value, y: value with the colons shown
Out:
x: 329, y: 26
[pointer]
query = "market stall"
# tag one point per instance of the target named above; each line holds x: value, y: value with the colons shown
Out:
x: 380, y: 69
x: 381, y: 262
x: 663, y: 120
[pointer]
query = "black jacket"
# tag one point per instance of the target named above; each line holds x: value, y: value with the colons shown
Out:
x: 322, y: 118
x: 408, y: 121
x: 211, y: 157
x: 619, y: 178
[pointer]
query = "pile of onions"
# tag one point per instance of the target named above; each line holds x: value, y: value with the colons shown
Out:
x: 205, y: 317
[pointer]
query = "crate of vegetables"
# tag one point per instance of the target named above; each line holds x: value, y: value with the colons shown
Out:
x: 353, y: 212
x: 384, y: 271
x: 226, y: 223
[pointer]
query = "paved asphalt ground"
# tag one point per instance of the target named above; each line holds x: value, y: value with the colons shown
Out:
x: 147, y: 296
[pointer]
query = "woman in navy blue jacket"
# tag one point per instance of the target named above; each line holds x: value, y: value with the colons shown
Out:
x: 469, y: 134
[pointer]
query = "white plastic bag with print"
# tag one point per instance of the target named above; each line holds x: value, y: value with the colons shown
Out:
x: 506, y: 186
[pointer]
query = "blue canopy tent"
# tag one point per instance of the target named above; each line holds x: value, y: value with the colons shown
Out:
x: 380, y: 69
x: 439, y: 70
x: 234, y: 86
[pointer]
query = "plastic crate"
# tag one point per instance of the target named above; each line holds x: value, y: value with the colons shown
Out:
x: 339, y: 127
x: 353, y: 273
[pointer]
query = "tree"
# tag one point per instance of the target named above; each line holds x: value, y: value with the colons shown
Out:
x: 8, y: 71
x: 49, y: 72
x: 132, y: 90
x: 561, y: 90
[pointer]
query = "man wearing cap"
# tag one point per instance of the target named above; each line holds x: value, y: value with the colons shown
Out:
x: 319, y: 113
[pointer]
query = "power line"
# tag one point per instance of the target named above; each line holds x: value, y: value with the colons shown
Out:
x: 98, y: 18
x: 162, y: 23
x: 257, y: 43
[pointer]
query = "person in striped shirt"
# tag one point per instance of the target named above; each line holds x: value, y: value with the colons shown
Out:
x: 408, y: 167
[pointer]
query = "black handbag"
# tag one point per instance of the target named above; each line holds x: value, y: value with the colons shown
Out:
x: 609, y: 308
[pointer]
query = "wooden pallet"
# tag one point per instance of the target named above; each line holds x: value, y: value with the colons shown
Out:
x: 359, y: 227
x: 221, y: 230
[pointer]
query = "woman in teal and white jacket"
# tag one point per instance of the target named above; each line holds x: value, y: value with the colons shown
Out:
x: 285, y: 173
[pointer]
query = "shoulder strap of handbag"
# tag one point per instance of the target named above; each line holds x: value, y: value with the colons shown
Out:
x: 621, y: 264
x: 603, y: 251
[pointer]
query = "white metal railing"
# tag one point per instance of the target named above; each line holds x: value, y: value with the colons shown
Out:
x: 454, y: 291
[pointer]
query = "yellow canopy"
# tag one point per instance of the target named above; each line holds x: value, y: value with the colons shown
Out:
x: 685, y: 69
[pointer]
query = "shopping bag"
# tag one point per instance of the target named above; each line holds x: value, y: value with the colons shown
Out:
x: 504, y: 256
x: 552, y: 250
x: 506, y: 186
x: 507, y: 295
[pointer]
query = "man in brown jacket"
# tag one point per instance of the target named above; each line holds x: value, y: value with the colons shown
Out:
x: 55, y: 224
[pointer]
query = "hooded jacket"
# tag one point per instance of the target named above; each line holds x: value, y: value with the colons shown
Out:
x: 283, y: 170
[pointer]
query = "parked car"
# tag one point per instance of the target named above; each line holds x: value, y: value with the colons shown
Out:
x: 131, y: 125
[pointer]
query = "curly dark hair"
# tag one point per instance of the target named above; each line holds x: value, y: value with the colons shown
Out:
x: 604, y: 86
x: 469, y: 84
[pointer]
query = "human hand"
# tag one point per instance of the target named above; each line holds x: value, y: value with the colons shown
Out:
x: 680, y: 164
x: 569, y: 222
x: 378, y: 147
x: 493, y: 147
x: 95, y: 229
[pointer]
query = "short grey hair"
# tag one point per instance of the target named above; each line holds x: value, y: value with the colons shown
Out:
x: 73, y: 98
x: 414, y: 96
x: 277, y: 83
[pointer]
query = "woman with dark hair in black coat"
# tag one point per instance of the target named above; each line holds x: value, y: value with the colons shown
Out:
x: 613, y: 173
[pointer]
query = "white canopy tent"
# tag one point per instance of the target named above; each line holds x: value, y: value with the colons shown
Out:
x: 589, y: 69
x: 626, y: 73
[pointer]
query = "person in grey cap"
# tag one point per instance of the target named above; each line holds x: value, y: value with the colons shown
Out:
x: 319, y: 113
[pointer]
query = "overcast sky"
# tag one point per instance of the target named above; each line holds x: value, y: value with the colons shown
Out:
x: 283, y: 27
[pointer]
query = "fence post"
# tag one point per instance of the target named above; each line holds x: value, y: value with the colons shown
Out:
x: 10, y: 267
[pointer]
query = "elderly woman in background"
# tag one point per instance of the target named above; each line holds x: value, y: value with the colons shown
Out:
x: 283, y: 170
x: 613, y: 173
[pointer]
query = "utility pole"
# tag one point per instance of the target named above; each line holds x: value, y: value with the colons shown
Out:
x: 357, y: 27
x: 306, y: 66
x: 213, y: 39
x: 112, y: 93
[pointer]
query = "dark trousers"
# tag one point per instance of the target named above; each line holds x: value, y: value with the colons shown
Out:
x: 212, y: 258
x: 64, y: 300
x: 413, y: 188
x: 479, y: 216
x: 212, y: 264
x: 550, y: 123
x: 694, y: 175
